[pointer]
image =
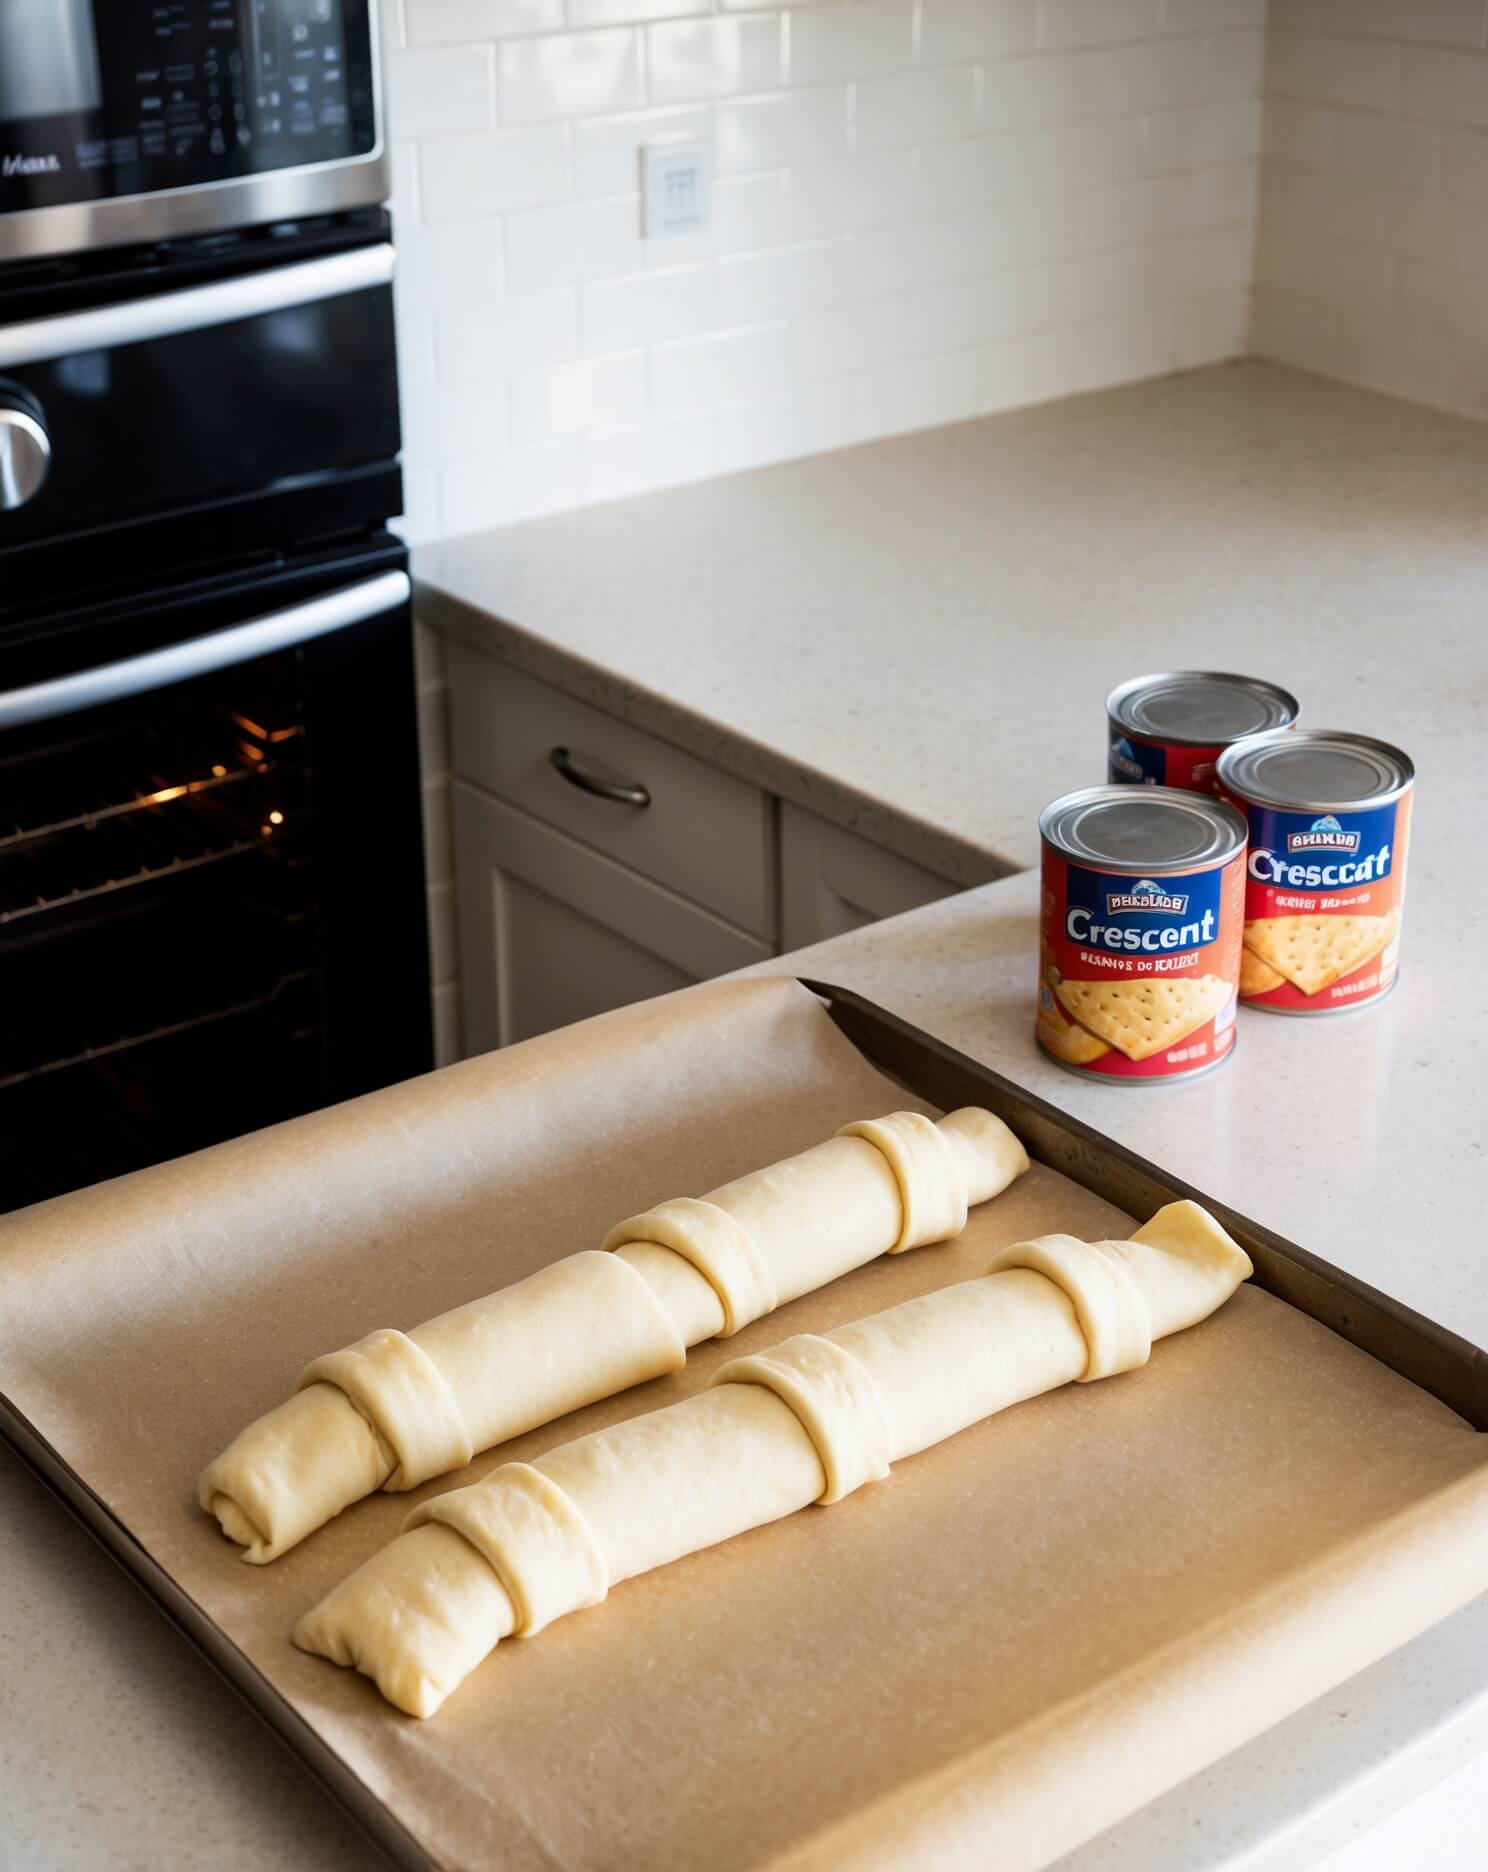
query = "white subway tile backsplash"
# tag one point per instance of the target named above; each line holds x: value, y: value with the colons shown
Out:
x: 1435, y: 298
x: 441, y: 422
x: 1227, y: 131
x: 630, y: 12
x: 800, y: 421
x: 621, y: 462
x: 849, y: 39
x: 450, y: 264
x: 1029, y: 369
x: 1207, y: 15
x: 440, y: 92
x: 452, y: 22
x: 1300, y: 135
x: 789, y: 127
x: 727, y: 367
x: 607, y: 149
x: 754, y: 288
x: 496, y: 336
x: 1222, y: 195
x: 1435, y: 22
x: 648, y: 308
x: 1124, y: 349
x: 596, y: 393
x: 953, y: 31
x: 461, y: 177
x: 691, y: 59
x: 1312, y: 202
x: 1098, y: 22
x: 913, y: 202
x: 1464, y: 172
x: 1332, y: 70
x: 569, y: 75
x: 573, y: 243
x: 1336, y: 272
x: 1385, y: 149
x: 1210, y: 324
x: 1445, y: 87
x: 916, y: 107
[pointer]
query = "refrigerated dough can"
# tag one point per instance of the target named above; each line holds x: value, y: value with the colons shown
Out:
x: 1329, y: 821
x: 1170, y: 730
x: 1140, y: 919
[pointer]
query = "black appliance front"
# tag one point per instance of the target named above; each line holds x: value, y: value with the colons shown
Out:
x: 189, y: 404
x: 211, y: 881
x: 138, y: 120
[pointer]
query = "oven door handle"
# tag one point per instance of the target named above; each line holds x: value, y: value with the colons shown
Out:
x: 196, y: 308
x: 199, y: 656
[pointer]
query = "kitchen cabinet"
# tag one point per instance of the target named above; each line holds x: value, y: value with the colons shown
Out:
x: 648, y: 805
x: 552, y: 931
x: 832, y: 881
x: 596, y: 864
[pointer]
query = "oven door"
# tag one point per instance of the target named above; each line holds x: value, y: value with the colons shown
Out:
x: 124, y: 122
x: 211, y: 870
x: 193, y: 424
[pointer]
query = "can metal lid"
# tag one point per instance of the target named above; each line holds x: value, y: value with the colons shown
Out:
x: 1315, y: 770
x: 1127, y: 828
x: 1200, y: 708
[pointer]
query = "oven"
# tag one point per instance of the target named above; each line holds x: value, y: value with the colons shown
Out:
x: 212, y: 908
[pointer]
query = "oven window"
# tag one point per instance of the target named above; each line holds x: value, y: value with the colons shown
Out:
x: 101, y: 99
x: 159, y: 939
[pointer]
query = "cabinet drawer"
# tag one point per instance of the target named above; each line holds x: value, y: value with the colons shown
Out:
x: 552, y: 932
x: 703, y: 834
x: 833, y: 881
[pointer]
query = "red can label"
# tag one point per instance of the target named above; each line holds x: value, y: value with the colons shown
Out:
x: 1138, y: 974
x: 1323, y: 899
x: 1134, y: 760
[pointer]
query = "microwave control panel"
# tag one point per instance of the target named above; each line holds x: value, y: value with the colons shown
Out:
x: 99, y: 99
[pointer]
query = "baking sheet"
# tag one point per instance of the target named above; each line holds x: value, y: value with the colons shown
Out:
x: 1020, y: 1636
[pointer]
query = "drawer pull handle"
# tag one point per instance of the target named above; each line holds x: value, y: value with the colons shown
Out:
x: 637, y: 796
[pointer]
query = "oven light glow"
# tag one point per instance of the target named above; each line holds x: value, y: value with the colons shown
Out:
x: 165, y: 793
x: 249, y: 727
x: 219, y: 772
x: 276, y: 818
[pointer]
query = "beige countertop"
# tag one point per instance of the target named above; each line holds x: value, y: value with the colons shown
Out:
x: 915, y: 638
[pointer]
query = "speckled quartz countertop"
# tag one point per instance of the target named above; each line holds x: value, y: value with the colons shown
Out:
x: 914, y: 638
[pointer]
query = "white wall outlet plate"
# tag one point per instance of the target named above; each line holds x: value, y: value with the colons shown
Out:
x: 676, y: 182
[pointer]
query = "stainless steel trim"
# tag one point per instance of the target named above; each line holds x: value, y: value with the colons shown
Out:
x: 133, y: 321
x: 212, y: 207
x: 25, y: 458
x: 199, y: 656
x: 208, y: 208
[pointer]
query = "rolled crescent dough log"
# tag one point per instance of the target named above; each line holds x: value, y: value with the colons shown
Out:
x: 397, y: 1408
x: 808, y: 1421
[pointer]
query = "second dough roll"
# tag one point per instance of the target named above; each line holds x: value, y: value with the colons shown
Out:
x: 810, y: 1420
x: 396, y: 1408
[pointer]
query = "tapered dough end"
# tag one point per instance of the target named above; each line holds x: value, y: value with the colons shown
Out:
x: 291, y: 1471
x: 985, y: 1151
x: 416, y: 1618
x: 1195, y: 1269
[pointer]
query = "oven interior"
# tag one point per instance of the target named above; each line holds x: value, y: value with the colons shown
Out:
x: 160, y: 937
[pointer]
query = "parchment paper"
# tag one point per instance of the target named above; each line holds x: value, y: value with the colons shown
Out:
x: 1022, y: 1635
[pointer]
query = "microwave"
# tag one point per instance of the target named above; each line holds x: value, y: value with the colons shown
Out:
x: 131, y: 121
